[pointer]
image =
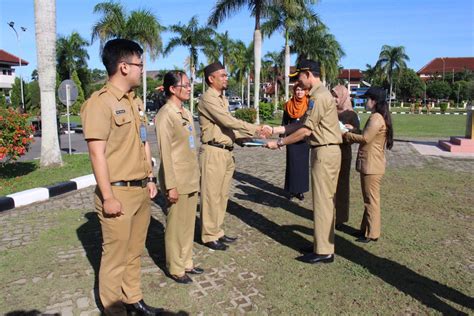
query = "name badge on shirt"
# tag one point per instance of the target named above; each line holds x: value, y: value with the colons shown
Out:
x: 143, y: 133
x: 191, y: 137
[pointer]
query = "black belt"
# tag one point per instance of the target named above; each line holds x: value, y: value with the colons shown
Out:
x: 134, y: 183
x: 229, y: 148
x: 317, y: 146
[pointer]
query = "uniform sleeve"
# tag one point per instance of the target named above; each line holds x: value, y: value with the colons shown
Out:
x: 96, y: 120
x: 210, y: 108
x: 373, y: 126
x: 164, y: 135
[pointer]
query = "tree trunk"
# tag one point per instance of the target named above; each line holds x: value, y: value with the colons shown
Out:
x: 257, y: 37
x: 248, y: 90
x: 390, y: 96
x: 242, y: 90
x: 191, y: 80
x: 275, y: 102
x: 144, y: 76
x: 45, y: 31
x: 287, y: 68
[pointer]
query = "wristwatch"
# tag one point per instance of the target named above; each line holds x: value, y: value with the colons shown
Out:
x: 280, y: 142
x: 151, y: 179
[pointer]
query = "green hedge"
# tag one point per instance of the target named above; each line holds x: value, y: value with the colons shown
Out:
x: 246, y: 114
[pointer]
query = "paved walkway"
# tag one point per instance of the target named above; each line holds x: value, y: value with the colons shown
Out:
x: 256, y: 186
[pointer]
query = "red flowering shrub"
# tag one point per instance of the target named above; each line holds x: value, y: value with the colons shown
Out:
x: 16, y: 135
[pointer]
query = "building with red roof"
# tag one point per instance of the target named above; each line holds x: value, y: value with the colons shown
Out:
x: 446, y: 66
x: 7, y: 72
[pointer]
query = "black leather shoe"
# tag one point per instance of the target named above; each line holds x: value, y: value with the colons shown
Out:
x: 216, y: 245
x: 366, y: 240
x: 227, y: 239
x: 315, y: 258
x: 299, y: 196
x: 184, y: 279
x: 195, y: 270
x: 140, y: 308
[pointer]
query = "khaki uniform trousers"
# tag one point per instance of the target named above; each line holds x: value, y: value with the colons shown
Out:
x: 325, y: 166
x: 343, y: 192
x: 217, y: 169
x: 179, y: 234
x: 371, y: 221
x: 123, y: 244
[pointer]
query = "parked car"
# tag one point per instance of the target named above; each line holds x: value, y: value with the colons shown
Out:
x: 234, y: 105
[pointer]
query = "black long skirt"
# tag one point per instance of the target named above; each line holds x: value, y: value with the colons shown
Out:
x: 297, y: 168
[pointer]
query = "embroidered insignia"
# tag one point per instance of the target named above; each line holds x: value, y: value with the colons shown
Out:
x: 119, y: 111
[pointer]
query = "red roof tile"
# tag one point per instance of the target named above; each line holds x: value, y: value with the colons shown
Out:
x: 448, y: 64
x: 355, y: 74
x: 12, y: 60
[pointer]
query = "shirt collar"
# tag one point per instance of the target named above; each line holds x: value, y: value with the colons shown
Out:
x: 214, y: 92
x: 116, y: 92
x: 315, y: 87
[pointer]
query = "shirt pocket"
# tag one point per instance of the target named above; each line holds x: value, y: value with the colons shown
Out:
x: 121, y: 117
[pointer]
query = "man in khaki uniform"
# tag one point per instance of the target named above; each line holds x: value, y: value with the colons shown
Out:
x: 324, y: 136
x: 115, y: 130
x: 218, y: 133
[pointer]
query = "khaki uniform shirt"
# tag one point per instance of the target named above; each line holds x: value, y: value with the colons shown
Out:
x: 322, y: 118
x: 114, y: 116
x: 176, y: 137
x: 371, y: 154
x: 217, y: 124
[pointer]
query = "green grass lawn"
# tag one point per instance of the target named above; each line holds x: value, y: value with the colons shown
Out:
x: 25, y: 175
x: 413, y: 126
x: 73, y: 119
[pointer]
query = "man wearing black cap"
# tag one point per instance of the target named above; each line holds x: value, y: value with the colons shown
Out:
x: 324, y: 136
x: 219, y: 130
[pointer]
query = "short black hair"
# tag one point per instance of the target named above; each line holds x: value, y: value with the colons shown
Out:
x: 116, y: 50
x: 172, y: 78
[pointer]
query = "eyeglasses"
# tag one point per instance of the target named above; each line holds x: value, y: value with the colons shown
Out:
x: 140, y: 65
x: 183, y: 85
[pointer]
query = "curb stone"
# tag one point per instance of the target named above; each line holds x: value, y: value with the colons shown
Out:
x: 30, y: 196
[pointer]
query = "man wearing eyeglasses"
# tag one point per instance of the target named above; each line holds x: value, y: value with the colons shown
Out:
x: 115, y: 130
x: 219, y: 130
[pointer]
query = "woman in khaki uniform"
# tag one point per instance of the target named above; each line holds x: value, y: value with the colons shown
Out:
x: 346, y: 115
x: 179, y: 176
x: 376, y: 136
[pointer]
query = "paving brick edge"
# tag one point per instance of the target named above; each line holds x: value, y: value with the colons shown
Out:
x: 30, y: 196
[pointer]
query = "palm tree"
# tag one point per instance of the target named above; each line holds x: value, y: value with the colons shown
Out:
x: 241, y: 64
x: 140, y: 25
x: 71, y: 54
x: 258, y: 8
x: 45, y: 30
x: 318, y: 44
x: 392, y: 60
x: 220, y: 46
x: 194, y: 38
x: 286, y: 17
x: 276, y: 60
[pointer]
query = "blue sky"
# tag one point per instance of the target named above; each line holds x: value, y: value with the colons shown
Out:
x: 427, y: 28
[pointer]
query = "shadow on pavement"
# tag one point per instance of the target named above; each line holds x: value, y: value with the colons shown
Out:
x: 90, y: 235
x: 428, y: 292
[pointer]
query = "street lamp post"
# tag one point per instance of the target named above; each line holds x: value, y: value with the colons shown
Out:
x: 12, y: 25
